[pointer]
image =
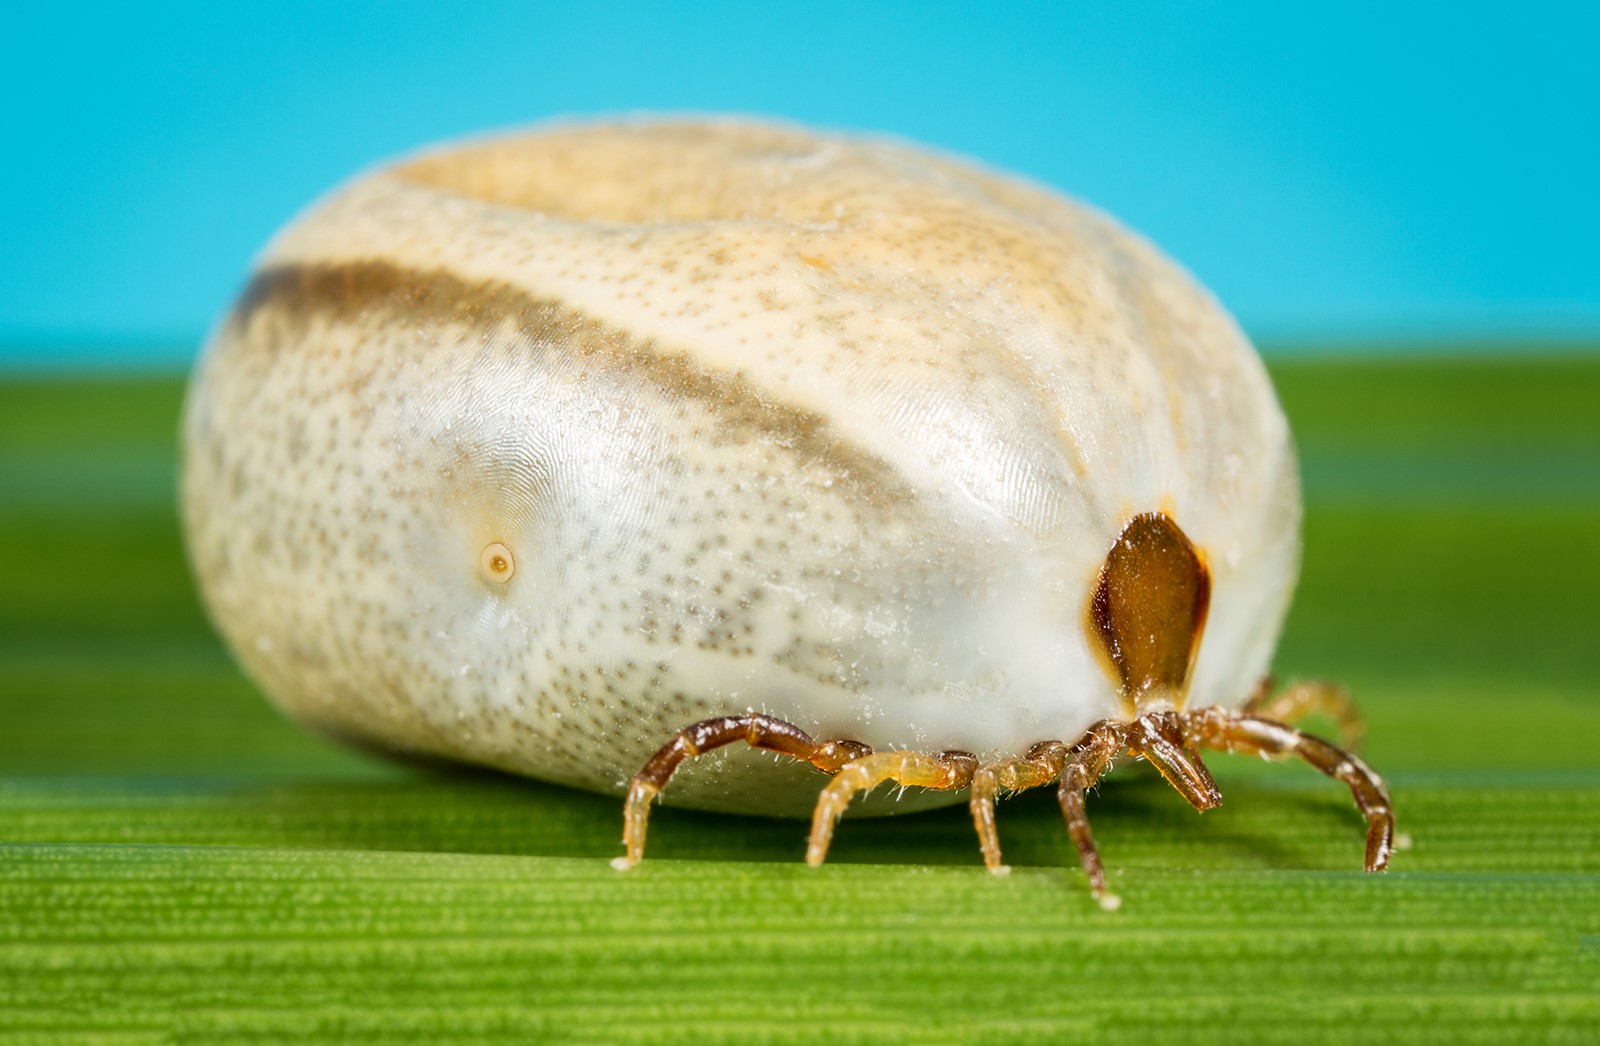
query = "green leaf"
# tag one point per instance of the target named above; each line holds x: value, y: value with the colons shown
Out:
x: 177, y: 863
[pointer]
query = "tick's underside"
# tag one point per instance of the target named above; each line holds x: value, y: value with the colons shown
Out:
x: 1169, y: 740
x: 1145, y: 615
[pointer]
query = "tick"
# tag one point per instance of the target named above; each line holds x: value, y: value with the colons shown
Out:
x: 586, y: 452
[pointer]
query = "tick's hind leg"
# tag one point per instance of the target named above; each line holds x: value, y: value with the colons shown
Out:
x: 945, y: 770
x: 1239, y: 732
x: 759, y: 731
x: 1310, y: 697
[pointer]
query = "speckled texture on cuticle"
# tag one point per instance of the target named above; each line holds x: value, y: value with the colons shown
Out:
x: 829, y: 428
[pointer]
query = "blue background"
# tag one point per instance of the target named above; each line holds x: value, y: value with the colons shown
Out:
x: 1342, y: 174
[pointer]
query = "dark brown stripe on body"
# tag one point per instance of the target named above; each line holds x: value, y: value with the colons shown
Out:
x: 434, y: 297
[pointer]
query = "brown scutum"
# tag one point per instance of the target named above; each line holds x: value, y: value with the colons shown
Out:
x: 1149, y: 609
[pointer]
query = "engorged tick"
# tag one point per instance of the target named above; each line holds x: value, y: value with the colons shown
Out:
x: 553, y: 451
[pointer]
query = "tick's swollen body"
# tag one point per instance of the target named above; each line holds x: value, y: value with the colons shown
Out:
x: 554, y: 451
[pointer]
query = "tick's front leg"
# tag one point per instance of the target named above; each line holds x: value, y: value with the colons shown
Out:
x: 1309, y: 697
x: 1240, y: 732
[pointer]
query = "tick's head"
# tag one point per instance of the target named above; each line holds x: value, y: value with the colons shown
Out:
x: 1147, y: 612
x: 1145, y: 618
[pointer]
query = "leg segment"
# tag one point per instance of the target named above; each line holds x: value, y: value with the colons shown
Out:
x: 1298, y: 700
x: 1089, y: 759
x: 1238, y: 732
x: 946, y: 770
x: 1040, y: 766
x: 758, y: 731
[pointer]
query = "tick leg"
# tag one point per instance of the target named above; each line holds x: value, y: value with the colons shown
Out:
x: 1040, y: 766
x: 1239, y: 732
x: 759, y: 731
x: 1088, y: 760
x: 1298, y: 700
x: 944, y: 770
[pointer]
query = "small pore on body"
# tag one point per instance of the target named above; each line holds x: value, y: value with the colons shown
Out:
x: 497, y: 563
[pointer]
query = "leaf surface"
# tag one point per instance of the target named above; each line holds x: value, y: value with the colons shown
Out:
x: 177, y: 863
